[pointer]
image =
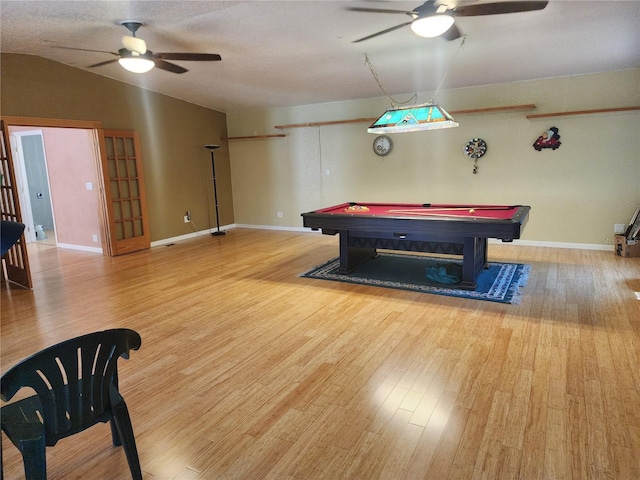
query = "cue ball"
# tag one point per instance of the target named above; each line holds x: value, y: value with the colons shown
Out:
x: 473, y: 210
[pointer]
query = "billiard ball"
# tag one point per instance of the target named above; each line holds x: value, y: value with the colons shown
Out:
x: 473, y: 210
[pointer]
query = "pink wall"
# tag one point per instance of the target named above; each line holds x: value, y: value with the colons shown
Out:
x: 71, y: 164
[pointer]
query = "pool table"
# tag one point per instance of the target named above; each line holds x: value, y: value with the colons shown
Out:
x: 445, y: 229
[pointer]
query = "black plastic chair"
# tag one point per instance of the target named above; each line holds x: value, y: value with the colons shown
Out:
x: 9, y: 234
x: 76, y: 384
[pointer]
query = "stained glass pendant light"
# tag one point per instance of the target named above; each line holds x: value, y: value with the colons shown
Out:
x: 428, y: 116
x: 414, y: 118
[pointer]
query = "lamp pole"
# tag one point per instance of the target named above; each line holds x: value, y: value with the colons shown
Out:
x: 211, y: 148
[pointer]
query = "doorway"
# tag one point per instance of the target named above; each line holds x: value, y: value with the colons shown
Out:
x: 34, y: 188
x: 116, y: 234
x: 98, y: 196
x: 58, y: 185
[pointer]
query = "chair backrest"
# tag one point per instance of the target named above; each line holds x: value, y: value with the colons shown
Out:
x: 73, y: 380
x: 9, y: 234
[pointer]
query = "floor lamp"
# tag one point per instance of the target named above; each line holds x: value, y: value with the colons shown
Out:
x: 215, y: 189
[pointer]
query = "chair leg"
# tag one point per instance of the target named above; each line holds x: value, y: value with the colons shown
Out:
x: 115, y: 436
x: 34, y: 458
x: 125, y: 435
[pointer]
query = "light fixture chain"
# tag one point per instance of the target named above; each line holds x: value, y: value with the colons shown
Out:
x: 394, y: 103
x: 435, y: 94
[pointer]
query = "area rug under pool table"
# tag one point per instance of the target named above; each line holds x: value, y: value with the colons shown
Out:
x: 501, y: 282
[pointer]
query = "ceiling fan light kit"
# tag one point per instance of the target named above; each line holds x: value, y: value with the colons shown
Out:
x: 134, y: 57
x: 432, y: 26
x: 135, y: 63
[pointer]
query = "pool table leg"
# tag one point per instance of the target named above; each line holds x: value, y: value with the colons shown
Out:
x: 474, y: 260
x: 351, y: 257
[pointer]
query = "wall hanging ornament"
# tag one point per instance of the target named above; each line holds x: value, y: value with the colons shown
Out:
x: 475, y: 148
x: 549, y: 139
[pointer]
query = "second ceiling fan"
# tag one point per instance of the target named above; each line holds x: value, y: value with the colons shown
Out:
x: 433, y: 20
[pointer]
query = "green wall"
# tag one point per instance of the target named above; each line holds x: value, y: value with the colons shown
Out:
x: 172, y: 132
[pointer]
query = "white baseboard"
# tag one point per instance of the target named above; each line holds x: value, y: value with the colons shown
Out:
x: 528, y: 243
x: 272, y: 227
x: 82, y: 248
x: 577, y: 246
x: 209, y: 231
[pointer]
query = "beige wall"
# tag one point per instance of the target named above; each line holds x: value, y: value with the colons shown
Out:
x: 577, y: 193
x: 172, y: 132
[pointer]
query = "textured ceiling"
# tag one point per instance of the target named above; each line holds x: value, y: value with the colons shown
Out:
x: 283, y: 53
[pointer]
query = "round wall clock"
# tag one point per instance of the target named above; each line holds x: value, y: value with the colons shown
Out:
x: 382, y: 145
x: 475, y: 148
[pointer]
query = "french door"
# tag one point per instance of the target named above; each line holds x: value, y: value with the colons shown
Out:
x: 16, y: 260
x: 124, y: 198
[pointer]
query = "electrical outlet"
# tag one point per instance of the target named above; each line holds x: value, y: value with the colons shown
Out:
x: 279, y: 214
x: 619, y: 227
x: 187, y: 219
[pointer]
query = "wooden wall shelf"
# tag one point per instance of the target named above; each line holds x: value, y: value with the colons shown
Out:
x: 321, y: 124
x: 509, y: 108
x: 255, y: 137
x: 582, y: 112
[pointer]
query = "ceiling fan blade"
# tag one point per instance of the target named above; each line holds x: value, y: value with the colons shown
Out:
x: 100, y: 64
x: 383, y: 32
x: 192, y: 57
x: 451, y: 34
x: 376, y: 10
x: 497, y: 8
x: 84, y: 49
x: 134, y: 44
x: 169, y: 67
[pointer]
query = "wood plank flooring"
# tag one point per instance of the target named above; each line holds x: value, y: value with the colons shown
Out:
x: 247, y: 371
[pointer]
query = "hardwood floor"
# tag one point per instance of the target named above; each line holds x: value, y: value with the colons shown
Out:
x: 247, y: 371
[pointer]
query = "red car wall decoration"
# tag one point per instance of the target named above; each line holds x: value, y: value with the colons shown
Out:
x: 549, y: 139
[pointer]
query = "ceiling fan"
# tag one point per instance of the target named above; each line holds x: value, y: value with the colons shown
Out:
x: 431, y: 20
x: 136, y: 58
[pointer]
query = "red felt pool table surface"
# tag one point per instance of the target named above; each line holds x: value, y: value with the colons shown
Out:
x: 422, y: 210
